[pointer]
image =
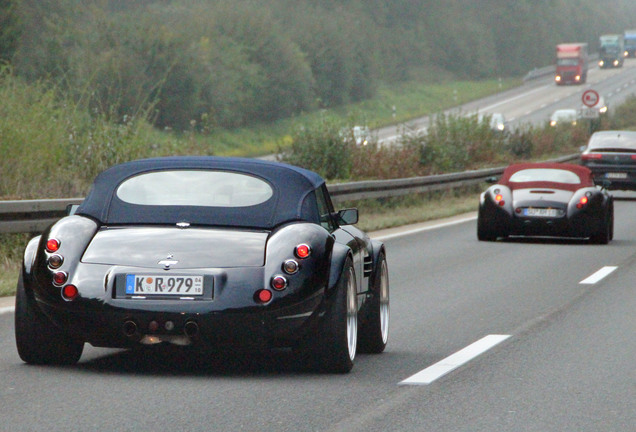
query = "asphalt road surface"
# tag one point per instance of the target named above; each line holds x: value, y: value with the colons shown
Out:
x: 538, y: 351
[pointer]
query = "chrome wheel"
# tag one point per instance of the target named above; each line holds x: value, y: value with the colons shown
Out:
x: 384, y: 302
x: 352, y: 315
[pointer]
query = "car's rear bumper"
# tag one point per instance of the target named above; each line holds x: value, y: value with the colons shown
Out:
x: 614, y: 174
x: 107, y: 325
x: 582, y: 224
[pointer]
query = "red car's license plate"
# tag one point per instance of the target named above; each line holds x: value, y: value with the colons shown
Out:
x: 541, y: 212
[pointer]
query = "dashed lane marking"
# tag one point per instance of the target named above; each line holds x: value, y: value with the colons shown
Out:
x: 599, y: 275
x: 450, y: 363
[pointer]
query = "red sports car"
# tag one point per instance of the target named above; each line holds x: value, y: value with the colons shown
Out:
x: 546, y: 199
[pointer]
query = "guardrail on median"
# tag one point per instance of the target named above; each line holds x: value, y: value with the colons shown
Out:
x: 550, y: 70
x: 33, y: 216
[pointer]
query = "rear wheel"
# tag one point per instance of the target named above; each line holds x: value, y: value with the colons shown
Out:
x: 484, y: 232
x: 336, y: 339
x: 374, y: 332
x: 611, y: 237
x: 38, y: 340
x: 606, y: 230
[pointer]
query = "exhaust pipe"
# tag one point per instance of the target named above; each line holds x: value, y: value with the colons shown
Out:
x: 130, y: 328
x: 191, y: 329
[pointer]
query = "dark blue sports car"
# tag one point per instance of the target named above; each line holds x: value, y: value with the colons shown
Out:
x: 209, y: 252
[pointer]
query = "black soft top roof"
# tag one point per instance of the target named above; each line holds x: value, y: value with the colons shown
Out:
x: 292, y: 197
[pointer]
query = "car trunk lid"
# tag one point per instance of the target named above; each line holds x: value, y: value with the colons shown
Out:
x: 542, y: 198
x: 158, y: 247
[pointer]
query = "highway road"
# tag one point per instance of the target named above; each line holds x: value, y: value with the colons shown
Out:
x: 542, y: 347
x: 518, y: 335
x: 534, y: 102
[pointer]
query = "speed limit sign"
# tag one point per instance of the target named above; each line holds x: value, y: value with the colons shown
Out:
x: 590, y: 98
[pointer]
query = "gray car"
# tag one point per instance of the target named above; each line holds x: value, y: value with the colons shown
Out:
x: 611, y: 155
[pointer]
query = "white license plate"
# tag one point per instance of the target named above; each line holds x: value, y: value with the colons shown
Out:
x: 616, y: 175
x: 541, y: 212
x: 173, y: 285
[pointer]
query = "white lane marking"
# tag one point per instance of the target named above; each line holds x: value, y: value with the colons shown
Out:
x: 450, y: 363
x: 426, y: 228
x: 594, y: 278
x: 8, y: 309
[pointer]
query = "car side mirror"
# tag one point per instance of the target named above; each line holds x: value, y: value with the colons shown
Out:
x: 71, y: 209
x: 348, y: 216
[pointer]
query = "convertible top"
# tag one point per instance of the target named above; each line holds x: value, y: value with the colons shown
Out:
x: 584, y: 174
x: 292, y: 197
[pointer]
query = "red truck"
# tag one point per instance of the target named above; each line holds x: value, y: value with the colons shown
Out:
x: 571, y: 63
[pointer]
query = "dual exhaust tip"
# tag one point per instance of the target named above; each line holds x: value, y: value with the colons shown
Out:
x: 131, y: 330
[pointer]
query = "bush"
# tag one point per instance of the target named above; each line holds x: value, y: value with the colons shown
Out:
x: 321, y: 147
x: 455, y: 143
x: 624, y: 116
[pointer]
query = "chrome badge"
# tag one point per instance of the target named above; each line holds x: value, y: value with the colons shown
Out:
x: 166, y: 263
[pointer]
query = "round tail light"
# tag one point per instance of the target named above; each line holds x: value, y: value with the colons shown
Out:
x: 290, y: 267
x: 279, y: 283
x: 59, y: 278
x: 69, y: 292
x: 302, y: 251
x: 263, y: 296
x: 55, y: 261
x: 52, y: 245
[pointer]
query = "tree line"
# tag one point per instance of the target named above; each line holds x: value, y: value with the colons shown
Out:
x: 199, y: 64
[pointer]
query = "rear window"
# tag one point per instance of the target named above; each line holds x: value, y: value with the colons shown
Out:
x: 195, y: 188
x: 545, y: 174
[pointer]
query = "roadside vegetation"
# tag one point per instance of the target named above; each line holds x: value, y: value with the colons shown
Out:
x: 219, y: 64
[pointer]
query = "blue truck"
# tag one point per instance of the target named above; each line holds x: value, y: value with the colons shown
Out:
x: 612, y: 51
x: 630, y: 43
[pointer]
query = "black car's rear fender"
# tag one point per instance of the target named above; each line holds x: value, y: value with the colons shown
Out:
x: 338, y: 259
x: 73, y: 233
x: 313, y: 270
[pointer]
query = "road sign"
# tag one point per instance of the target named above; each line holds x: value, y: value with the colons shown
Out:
x: 590, y: 98
x: 590, y: 113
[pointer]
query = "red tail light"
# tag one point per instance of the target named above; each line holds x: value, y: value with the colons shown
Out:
x: 69, y: 292
x: 302, y: 251
x: 582, y: 202
x: 59, y: 278
x: 52, y: 245
x: 279, y: 283
x: 499, y: 200
x: 263, y: 296
x: 589, y: 156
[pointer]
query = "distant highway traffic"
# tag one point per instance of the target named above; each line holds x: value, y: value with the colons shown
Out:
x: 534, y: 102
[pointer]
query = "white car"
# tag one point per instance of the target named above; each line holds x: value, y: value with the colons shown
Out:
x: 361, y: 135
x: 564, y: 116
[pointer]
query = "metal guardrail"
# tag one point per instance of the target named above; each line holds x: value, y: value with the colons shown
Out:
x: 399, y: 187
x: 33, y: 216
x: 550, y: 70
